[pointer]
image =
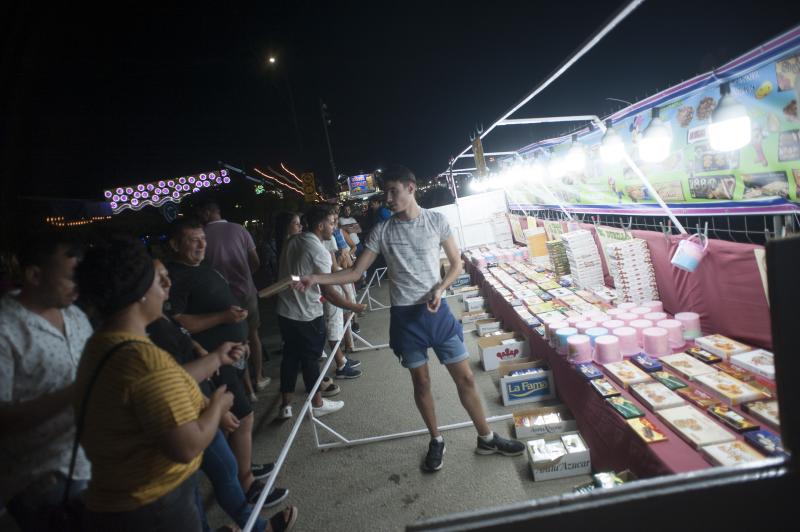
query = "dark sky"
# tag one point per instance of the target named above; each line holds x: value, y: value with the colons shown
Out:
x: 106, y: 97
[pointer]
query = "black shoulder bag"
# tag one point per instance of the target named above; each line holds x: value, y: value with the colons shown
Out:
x: 69, y: 516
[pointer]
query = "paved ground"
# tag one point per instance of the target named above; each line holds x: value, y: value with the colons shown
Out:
x: 379, y: 486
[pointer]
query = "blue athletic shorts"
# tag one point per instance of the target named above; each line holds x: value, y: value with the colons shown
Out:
x: 450, y: 351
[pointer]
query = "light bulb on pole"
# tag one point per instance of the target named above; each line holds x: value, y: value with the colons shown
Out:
x: 730, y: 124
x: 612, y: 148
x: 575, y: 161
x: 657, y: 140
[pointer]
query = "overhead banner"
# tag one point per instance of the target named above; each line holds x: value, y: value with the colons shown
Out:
x: 761, y: 177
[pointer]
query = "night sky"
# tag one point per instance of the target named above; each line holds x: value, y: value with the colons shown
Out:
x: 107, y: 97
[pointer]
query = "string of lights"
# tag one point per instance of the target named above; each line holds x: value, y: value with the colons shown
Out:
x: 286, y: 185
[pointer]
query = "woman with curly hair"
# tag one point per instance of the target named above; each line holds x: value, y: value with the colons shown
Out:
x: 145, y: 422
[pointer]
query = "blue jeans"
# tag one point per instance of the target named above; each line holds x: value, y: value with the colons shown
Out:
x: 32, y: 507
x: 219, y: 465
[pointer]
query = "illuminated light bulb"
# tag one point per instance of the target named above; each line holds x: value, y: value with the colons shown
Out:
x: 226, y: 180
x: 195, y: 190
x: 113, y: 204
x: 150, y: 186
x: 575, y: 160
x: 156, y: 197
x: 161, y: 184
x: 140, y: 187
x: 612, y: 149
x: 107, y: 194
x: 219, y: 180
x: 170, y: 183
x: 182, y: 180
x: 730, y: 124
x: 202, y: 176
x: 137, y: 194
x: 655, y: 145
x: 555, y: 168
x: 145, y: 194
x: 537, y: 170
x: 115, y: 197
x: 176, y: 194
x: 223, y: 173
x: 123, y: 198
x: 212, y: 175
x: 191, y: 179
x: 129, y: 190
x: 134, y: 202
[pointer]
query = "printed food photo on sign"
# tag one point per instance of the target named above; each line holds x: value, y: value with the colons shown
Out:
x: 718, y: 187
x: 707, y: 160
x: 705, y: 108
x: 787, y: 71
x: 789, y: 145
x: 767, y: 184
x: 671, y: 191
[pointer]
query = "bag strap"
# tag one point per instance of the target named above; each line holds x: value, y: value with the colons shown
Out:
x: 82, y: 413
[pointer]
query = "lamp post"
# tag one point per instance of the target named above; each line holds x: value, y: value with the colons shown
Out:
x: 272, y: 61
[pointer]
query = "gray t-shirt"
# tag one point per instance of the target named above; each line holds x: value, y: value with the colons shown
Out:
x: 302, y: 254
x: 411, y: 250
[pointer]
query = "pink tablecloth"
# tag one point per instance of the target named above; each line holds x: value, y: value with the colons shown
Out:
x: 613, y: 445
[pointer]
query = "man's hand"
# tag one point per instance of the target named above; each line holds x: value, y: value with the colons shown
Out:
x: 306, y: 283
x: 358, y: 308
x: 235, y: 314
x: 435, y: 299
x: 223, y: 398
x: 229, y: 352
x: 228, y: 422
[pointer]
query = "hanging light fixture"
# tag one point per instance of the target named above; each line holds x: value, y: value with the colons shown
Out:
x: 657, y: 140
x: 730, y: 124
x: 555, y: 168
x: 575, y: 161
x: 612, y: 148
x: 537, y: 169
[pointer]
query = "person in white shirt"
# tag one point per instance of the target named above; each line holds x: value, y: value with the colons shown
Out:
x: 410, y: 241
x: 42, y: 336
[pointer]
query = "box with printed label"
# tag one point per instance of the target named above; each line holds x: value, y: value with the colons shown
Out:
x: 550, y: 458
x: 472, y: 304
x: 502, y: 348
x: 518, y: 387
x: 472, y: 317
x: 533, y: 422
x: 487, y: 326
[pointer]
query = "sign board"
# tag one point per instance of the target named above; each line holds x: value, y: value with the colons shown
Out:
x: 361, y: 184
x: 309, y: 187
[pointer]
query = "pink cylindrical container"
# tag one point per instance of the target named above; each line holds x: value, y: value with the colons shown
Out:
x: 654, y: 306
x: 627, y: 306
x: 582, y: 326
x: 674, y: 332
x: 579, y: 348
x: 561, y: 339
x: 627, y: 317
x: 691, y: 324
x: 640, y: 311
x: 612, y: 324
x: 655, y: 316
x: 596, y: 316
x: 628, y: 344
x: 640, y: 326
x: 656, y: 343
x: 553, y: 327
x: 606, y: 349
x: 594, y: 332
x: 574, y: 320
x: 614, y: 312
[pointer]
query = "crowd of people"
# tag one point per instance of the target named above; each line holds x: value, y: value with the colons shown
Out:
x: 152, y: 365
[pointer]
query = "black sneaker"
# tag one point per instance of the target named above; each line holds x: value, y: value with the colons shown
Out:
x: 435, y: 457
x: 355, y: 326
x: 275, y: 496
x: 261, y: 471
x: 500, y: 445
x: 352, y: 362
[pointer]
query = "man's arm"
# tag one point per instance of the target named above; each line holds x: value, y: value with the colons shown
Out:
x: 351, y: 275
x: 455, y: 269
x: 17, y: 417
x: 253, y: 260
x: 334, y: 297
x: 195, y: 323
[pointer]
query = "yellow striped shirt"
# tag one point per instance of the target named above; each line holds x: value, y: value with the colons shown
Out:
x: 141, y: 394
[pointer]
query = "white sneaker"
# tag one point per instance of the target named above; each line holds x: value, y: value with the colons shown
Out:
x: 328, y: 407
x: 285, y: 413
x: 263, y: 383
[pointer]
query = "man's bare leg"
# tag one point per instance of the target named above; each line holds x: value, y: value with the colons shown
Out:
x: 424, y: 399
x: 468, y: 394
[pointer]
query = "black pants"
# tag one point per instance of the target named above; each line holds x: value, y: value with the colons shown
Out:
x: 175, y: 511
x: 302, y: 346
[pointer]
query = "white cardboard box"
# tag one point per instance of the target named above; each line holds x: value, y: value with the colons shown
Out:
x: 472, y: 304
x: 568, y: 465
x: 533, y: 422
x: 487, y: 326
x: 472, y: 317
x: 503, y: 347
x: 519, y: 389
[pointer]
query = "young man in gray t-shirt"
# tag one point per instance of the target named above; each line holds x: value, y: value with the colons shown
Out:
x: 420, y: 319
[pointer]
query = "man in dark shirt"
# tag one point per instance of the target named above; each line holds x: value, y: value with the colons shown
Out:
x: 202, y: 302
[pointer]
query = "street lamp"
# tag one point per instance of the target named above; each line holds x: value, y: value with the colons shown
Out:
x: 271, y: 60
